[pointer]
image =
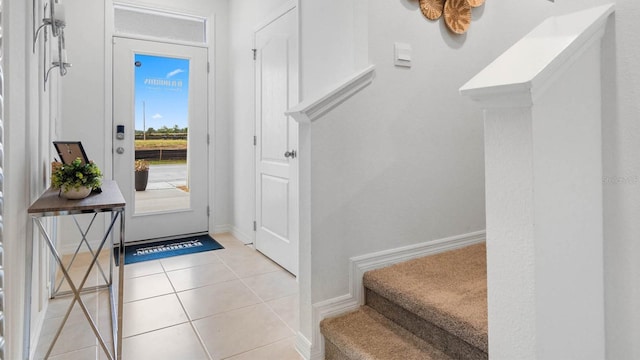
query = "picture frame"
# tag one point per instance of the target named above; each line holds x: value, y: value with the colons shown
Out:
x: 70, y: 150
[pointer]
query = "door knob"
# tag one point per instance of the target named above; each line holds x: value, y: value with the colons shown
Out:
x: 290, y: 154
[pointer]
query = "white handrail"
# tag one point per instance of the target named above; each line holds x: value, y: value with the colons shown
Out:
x: 314, y: 108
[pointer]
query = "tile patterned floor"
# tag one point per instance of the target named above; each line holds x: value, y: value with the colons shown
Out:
x: 225, y: 304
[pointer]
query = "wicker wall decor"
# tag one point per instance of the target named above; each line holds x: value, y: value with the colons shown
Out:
x: 457, y: 13
x: 475, y: 3
x: 432, y: 9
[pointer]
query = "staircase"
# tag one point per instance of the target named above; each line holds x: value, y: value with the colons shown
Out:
x: 433, y: 307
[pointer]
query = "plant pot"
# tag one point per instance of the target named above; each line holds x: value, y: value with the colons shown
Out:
x: 141, y: 180
x: 76, y: 194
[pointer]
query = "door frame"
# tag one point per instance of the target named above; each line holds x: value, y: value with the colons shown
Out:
x: 290, y: 5
x: 210, y: 45
x: 194, y: 218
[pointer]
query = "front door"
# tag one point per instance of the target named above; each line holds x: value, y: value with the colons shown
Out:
x: 277, y: 141
x: 160, y: 123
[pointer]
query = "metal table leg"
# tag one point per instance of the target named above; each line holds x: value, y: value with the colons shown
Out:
x: 76, y: 291
x: 56, y: 289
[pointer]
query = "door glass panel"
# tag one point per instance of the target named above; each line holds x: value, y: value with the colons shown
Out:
x: 161, y: 133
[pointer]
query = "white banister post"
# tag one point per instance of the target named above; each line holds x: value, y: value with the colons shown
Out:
x: 543, y: 159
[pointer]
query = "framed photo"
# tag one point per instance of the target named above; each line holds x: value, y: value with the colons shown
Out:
x: 70, y: 150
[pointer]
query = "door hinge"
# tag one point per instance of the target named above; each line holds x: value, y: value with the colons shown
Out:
x: 255, y: 53
x: 208, y: 210
x: 255, y: 226
x: 208, y: 139
x: 255, y: 140
x: 208, y: 67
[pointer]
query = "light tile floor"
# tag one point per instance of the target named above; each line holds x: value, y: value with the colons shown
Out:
x: 224, y: 304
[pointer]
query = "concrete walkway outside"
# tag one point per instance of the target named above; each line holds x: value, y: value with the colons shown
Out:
x: 164, y: 190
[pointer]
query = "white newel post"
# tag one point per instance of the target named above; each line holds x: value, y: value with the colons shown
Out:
x: 543, y: 155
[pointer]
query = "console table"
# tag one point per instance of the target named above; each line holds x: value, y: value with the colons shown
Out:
x: 110, y: 201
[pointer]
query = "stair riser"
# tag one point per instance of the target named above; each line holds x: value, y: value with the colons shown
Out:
x: 439, y: 338
x: 331, y: 352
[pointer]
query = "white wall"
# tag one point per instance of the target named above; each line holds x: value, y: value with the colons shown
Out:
x: 621, y: 141
x: 418, y: 107
x: 402, y: 162
x: 83, y: 105
x: 15, y: 187
x: 545, y: 160
x: 244, y: 17
x: 328, y: 50
x: 28, y: 117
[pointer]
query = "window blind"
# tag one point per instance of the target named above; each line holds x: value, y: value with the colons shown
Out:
x: 158, y: 24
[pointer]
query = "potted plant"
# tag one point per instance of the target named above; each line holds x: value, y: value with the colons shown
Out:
x: 142, y: 174
x: 77, y: 179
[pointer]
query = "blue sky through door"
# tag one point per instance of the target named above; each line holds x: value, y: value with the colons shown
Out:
x: 162, y: 84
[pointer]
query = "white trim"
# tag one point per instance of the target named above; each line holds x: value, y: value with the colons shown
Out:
x: 108, y: 91
x: 361, y: 264
x: 310, y: 110
x: 36, y: 331
x: 154, y: 9
x: 158, y: 11
x: 107, y: 151
x: 222, y: 229
x: 565, y: 38
x: 330, y: 308
x: 303, y: 346
x: 289, y: 8
x: 358, y: 265
x: 212, y: 104
x: 240, y: 235
x: 16, y: 169
x: 117, y: 34
x: 210, y: 45
x: 276, y: 14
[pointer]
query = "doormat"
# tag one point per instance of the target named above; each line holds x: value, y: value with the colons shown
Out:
x: 167, y: 248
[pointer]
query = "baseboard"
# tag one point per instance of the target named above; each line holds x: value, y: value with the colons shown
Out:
x: 303, y: 346
x: 69, y: 249
x: 220, y: 229
x: 36, y: 330
x: 358, y: 265
x: 361, y: 264
x: 238, y: 234
x: 325, y: 309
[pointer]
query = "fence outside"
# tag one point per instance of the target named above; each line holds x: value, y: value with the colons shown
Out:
x: 161, y: 154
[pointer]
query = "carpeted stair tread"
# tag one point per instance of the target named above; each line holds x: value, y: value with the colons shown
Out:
x: 448, y: 290
x: 366, y: 335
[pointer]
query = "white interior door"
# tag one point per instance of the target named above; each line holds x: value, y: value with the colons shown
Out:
x: 277, y: 141
x: 163, y: 87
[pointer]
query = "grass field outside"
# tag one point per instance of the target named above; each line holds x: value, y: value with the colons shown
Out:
x: 164, y: 144
x: 168, y: 144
